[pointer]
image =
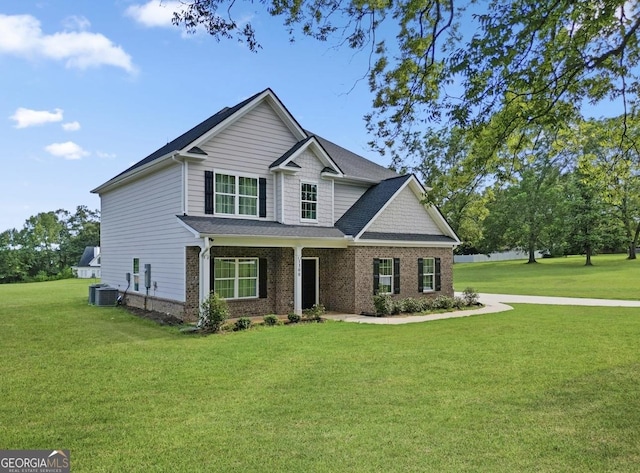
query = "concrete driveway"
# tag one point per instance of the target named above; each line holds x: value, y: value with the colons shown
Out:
x: 492, y: 303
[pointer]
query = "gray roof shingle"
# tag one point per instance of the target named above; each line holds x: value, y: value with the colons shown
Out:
x: 191, y: 135
x: 229, y: 226
x: 369, y: 204
x: 87, y: 255
x: 352, y: 164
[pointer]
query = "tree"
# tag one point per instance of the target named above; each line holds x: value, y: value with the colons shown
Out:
x: 607, y: 153
x: 587, y: 210
x: 443, y: 160
x: 495, y: 66
x: 48, y: 244
x: 527, y: 207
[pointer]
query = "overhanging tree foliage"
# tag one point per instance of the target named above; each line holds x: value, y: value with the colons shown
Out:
x: 495, y: 66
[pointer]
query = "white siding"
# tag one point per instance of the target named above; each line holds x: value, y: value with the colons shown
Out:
x: 248, y: 146
x: 311, y: 167
x: 345, y: 196
x: 405, y: 214
x: 139, y: 221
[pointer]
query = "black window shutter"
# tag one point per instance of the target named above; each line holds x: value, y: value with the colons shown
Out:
x: 396, y: 275
x: 262, y: 197
x: 212, y: 274
x: 438, y: 285
x: 420, y: 275
x: 376, y: 275
x: 262, y: 278
x: 208, y: 192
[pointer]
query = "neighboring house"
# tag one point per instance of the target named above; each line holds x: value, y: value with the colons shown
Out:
x: 270, y: 216
x: 89, y: 265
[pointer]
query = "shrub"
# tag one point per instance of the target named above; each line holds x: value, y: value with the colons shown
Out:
x: 412, y: 305
x: 458, y: 302
x: 426, y: 305
x: 243, y: 323
x: 315, y: 312
x: 443, y: 302
x: 270, y: 319
x: 397, y: 306
x: 470, y: 297
x: 213, y: 313
x: 294, y: 318
x: 382, y: 304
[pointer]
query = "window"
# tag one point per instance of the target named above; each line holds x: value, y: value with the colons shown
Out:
x: 308, y: 201
x: 428, y: 275
x: 236, y: 195
x: 386, y: 275
x: 236, y: 278
x: 136, y: 274
x: 429, y: 278
x: 385, y: 286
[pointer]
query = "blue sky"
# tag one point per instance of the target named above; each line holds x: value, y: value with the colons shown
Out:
x: 90, y: 87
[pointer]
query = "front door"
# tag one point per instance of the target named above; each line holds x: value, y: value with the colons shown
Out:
x: 309, y: 282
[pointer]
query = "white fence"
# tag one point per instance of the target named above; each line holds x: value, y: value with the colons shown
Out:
x: 502, y: 256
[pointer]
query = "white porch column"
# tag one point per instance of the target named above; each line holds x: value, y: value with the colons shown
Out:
x: 204, y: 269
x: 297, y: 280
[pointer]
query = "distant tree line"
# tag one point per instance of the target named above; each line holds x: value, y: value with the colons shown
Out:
x: 567, y: 189
x: 48, y: 245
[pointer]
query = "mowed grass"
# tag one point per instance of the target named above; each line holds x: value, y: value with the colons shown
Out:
x: 610, y: 277
x: 539, y: 388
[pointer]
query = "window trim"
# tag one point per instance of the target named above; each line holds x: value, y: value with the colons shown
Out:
x: 432, y: 274
x: 390, y: 276
x: 236, y: 203
x: 135, y: 274
x: 237, y: 278
x: 315, y: 202
x: 395, y: 276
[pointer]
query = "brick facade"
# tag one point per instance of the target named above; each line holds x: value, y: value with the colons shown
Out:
x: 345, y: 277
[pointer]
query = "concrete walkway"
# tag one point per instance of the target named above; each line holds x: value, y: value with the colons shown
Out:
x: 492, y: 303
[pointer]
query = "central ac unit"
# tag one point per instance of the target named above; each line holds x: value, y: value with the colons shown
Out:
x: 106, y: 296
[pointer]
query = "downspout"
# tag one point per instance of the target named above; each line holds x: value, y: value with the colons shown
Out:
x: 204, y: 270
x: 183, y: 180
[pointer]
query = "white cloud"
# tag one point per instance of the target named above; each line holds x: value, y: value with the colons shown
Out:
x: 25, y: 117
x: 21, y: 35
x: 71, y: 126
x: 67, y: 150
x: 76, y: 23
x: 104, y: 155
x: 154, y: 13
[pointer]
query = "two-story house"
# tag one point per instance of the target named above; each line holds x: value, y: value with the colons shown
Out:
x: 270, y: 216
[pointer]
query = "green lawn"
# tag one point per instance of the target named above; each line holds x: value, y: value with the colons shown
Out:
x: 611, y: 276
x: 539, y: 388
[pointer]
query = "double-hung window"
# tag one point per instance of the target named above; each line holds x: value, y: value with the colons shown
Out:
x: 236, y: 278
x: 386, y: 276
x: 236, y: 195
x: 309, y: 201
x: 385, y: 286
x: 428, y: 275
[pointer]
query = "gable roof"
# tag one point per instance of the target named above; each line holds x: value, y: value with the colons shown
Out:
x: 191, y: 135
x: 286, y: 160
x: 352, y: 165
x: 369, y: 204
x: 89, y: 253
